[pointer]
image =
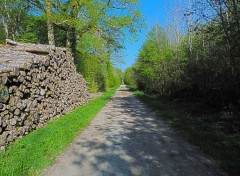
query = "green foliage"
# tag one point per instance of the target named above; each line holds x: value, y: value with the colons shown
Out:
x: 94, y: 31
x: 35, y: 30
x: 129, y: 77
x: 109, y: 20
x: 158, y: 69
x: 118, y: 76
x: 100, y: 75
x: 94, y: 64
x: 13, y: 14
x: 39, y: 149
x: 204, y: 66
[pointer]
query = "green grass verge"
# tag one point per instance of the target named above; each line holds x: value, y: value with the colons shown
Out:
x: 223, y: 149
x: 39, y: 149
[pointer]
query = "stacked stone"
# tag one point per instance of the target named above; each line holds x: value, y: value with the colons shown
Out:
x: 37, y: 83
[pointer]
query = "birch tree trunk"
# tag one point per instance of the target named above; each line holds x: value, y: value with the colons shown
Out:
x: 4, y: 21
x: 49, y: 22
x: 190, y: 27
x: 5, y: 26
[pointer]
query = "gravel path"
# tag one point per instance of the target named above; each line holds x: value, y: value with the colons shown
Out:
x: 126, y: 138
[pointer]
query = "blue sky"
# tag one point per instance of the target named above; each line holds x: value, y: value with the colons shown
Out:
x: 154, y: 11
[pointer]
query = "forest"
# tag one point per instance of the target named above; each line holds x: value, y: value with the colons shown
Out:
x: 198, y: 63
x: 186, y: 79
x: 92, y: 29
x: 194, y: 58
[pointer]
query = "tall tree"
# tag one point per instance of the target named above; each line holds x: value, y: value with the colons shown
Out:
x: 13, y: 15
x: 49, y: 22
x: 80, y: 17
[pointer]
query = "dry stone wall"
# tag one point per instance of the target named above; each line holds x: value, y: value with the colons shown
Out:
x: 37, y: 83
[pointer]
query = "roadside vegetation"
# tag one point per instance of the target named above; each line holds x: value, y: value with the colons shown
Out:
x: 200, y: 64
x: 39, y: 149
x: 224, y: 149
x: 190, y: 72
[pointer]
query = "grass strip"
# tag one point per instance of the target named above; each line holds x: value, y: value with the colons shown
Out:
x: 39, y: 149
x: 223, y: 149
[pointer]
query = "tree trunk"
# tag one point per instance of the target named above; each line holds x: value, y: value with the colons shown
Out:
x: 49, y: 22
x: 190, y: 28
x: 5, y: 29
x: 73, y: 41
x: 72, y: 33
x: 5, y: 24
x: 50, y: 33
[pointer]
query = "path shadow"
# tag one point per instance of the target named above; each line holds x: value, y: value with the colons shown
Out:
x: 138, y: 143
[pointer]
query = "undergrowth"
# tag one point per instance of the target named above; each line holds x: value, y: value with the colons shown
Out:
x: 225, y: 150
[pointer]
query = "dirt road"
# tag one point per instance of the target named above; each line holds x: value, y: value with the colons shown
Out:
x: 126, y: 138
